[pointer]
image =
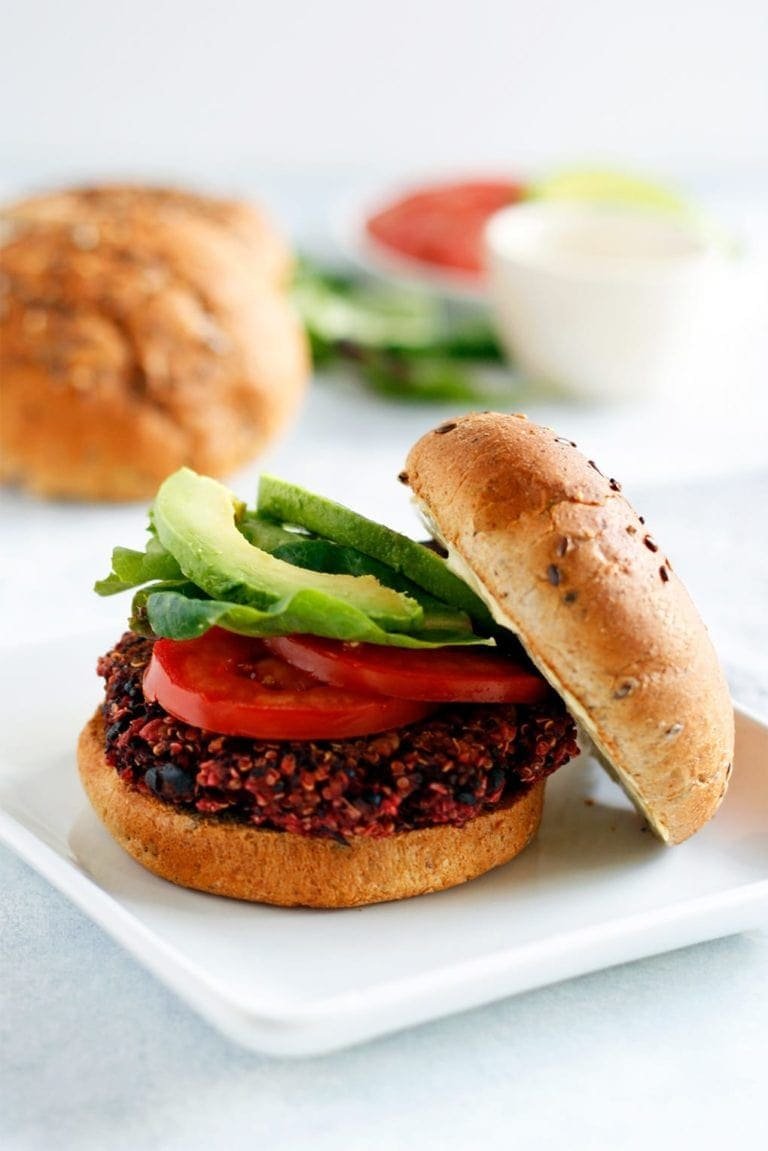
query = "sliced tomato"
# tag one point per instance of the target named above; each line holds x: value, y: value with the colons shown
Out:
x: 446, y: 674
x: 443, y: 224
x: 237, y: 686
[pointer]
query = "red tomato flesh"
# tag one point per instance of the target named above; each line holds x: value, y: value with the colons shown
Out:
x: 236, y: 685
x: 443, y: 224
x: 440, y: 675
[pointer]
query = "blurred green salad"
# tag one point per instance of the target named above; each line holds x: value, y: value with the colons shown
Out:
x: 399, y: 342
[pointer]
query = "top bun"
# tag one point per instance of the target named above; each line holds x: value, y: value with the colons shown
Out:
x: 141, y: 329
x: 563, y: 561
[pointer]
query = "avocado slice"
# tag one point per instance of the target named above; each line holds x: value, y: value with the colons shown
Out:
x: 195, y: 519
x: 321, y: 555
x: 290, y: 504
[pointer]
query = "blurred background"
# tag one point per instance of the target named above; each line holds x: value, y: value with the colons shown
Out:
x: 320, y: 111
x: 211, y: 91
x: 315, y: 110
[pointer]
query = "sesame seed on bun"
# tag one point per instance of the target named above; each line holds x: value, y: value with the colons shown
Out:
x: 565, y: 562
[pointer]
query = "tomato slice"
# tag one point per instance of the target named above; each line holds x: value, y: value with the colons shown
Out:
x: 446, y: 674
x: 443, y: 224
x: 235, y: 685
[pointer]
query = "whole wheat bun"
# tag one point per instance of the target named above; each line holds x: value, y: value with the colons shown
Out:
x: 233, y: 859
x: 563, y: 561
x: 141, y: 329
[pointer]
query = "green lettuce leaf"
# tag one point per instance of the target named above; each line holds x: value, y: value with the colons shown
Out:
x: 168, y: 603
x: 173, y: 614
x: 131, y: 568
x: 290, y: 504
x: 323, y: 555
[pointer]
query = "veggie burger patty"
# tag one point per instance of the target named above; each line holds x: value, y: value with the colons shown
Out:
x: 464, y: 760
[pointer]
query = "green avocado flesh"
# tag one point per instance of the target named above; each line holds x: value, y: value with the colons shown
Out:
x: 210, y: 562
x: 293, y: 505
x: 195, y: 520
x: 321, y: 555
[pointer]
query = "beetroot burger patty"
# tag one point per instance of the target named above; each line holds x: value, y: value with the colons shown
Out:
x: 463, y: 761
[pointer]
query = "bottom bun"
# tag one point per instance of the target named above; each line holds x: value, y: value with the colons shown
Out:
x: 224, y: 857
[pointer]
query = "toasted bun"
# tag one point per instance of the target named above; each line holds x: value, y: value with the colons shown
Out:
x: 141, y: 329
x: 563, y: 560
x: 228, y: 858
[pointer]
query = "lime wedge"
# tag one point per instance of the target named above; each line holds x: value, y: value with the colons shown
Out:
x: 607, y: 187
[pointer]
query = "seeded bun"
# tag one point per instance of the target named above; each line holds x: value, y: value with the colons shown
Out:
x: 564, y: 561
x: 229, y: 858
x: 141, y: 329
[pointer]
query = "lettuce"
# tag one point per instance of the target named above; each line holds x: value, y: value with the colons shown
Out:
x: 166, y: 603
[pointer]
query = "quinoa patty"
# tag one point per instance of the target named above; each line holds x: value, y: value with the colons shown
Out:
x: 462, y: 761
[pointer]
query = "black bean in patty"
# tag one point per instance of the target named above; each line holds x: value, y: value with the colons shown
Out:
x: 463, y: 760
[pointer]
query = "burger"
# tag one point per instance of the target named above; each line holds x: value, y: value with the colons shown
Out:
x: 312, y: 710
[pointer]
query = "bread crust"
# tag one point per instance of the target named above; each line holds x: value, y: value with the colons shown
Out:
x: 223, y: 857
x: 141, y: 330
x: 132, y: 204
x: 564, y: 561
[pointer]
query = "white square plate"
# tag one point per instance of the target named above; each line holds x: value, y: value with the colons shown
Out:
x: 593, y: 890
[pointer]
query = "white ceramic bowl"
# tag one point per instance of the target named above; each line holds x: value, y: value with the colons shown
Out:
x: 602, y: 302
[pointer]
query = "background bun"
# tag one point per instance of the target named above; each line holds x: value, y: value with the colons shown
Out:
x: 564, y: 561
x: 229, y: 858
x: 141, y: 329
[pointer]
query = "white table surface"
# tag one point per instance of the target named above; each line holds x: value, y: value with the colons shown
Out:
x: 95, y: 1053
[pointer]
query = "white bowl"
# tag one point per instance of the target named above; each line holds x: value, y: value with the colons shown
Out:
x: 602, y: 302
